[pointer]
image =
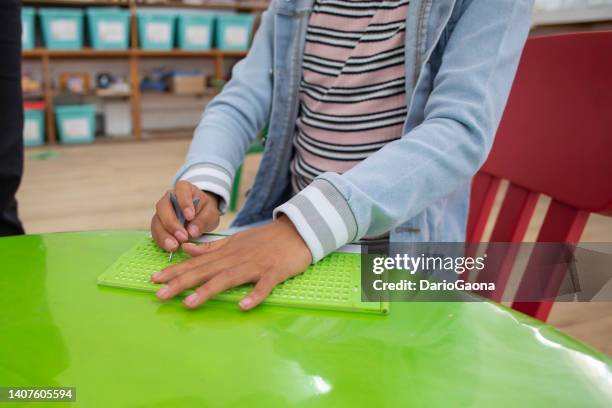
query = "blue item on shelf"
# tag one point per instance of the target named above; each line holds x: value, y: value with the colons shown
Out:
x: 34, y: 123
x: 153, y: 86
x: 109, y: 27
x: 185, y: 72
x: 233, y: 31
x: 76, y: 123
x: 195, y: 30
x: 104, y: 80
x: 27, y: 28
x: 156, y: 81
x: 62, y: 28
x: 156, y: 29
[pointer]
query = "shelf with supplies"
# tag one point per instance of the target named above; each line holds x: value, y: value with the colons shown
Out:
x: 85, y: 53
x: 238, y: 5
x: 135, y: 49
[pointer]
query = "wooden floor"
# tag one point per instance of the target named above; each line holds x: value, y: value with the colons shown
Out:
x: 115, y: 186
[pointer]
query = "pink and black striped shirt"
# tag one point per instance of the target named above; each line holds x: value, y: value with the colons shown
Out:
x: 352, y: 95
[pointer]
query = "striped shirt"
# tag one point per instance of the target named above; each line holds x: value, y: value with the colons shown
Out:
x: 352, y: 95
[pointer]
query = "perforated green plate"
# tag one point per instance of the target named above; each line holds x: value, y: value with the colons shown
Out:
x: 333, y: 283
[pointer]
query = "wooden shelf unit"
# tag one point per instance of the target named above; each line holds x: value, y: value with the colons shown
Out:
x: 133, y: 55
x: 244, y: 5
x: 86, y: 53
x: 241, y: 5
x: 82, y: 3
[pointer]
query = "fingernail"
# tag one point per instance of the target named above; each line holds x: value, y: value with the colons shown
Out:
x: 191, y: 299
x: 188, y: 213
x: 246, y: 303
x: 181, y: 236
x: 170, y: 244
x: 194, y: 230
x: 163, y: 292
x: 156, y: 275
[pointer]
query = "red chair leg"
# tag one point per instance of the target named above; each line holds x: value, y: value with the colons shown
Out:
x: 512, y: 222
x: 561, y: 224
x: 484, y: 190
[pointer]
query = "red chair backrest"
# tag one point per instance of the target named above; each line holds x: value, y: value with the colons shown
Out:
x: 555, y: 138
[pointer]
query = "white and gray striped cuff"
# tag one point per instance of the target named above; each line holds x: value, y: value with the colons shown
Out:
x: 211, y: 178
x: 322, y: 217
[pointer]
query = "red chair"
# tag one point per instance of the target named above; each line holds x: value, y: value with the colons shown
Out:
x: 555, y: 138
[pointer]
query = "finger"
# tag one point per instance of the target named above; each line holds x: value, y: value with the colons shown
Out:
x: 163, y: 239
x: 169, y: 273
x: 206, y: 265
x: 180, y: 283
x: 206, y: 220
x: 204, y: 248
x: 262, y: 289
x: 167, y: 216
x: 222, y: 281
x: 210, y: 263
x: 184, y: 191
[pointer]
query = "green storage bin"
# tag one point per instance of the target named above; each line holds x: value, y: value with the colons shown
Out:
x: 195, y: 30
x: 62, y: 28
x: 108, y: 27
x: 233, y: 31
x: 27, y: 28
x: 34, y: 124
x: 156, y: 29
x: 76, y: 123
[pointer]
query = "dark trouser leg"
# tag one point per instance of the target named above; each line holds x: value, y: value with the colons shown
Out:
x: 11, y: 115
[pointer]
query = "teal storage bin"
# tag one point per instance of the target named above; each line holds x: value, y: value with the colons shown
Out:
x: 62, y: 28
x: 108, y: 27
x: 33, y: 126
x: 233, y: 31
x: 156, y: 29
x: 195, y: 31
x: 27, y: 28
x: 76, y: 123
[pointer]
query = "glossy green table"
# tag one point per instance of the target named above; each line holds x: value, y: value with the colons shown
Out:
x: 125, y: 348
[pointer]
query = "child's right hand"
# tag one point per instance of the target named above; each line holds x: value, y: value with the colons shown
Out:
x: 165, y: 227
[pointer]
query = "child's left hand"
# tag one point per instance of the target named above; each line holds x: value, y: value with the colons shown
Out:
x: 266, y: 255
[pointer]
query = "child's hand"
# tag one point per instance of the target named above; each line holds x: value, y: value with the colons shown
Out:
x: 266, y: 255
x: 165, y: 227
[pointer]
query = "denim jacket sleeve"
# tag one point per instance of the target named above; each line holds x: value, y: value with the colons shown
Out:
x: 232, y: 119
x: 431, y: 160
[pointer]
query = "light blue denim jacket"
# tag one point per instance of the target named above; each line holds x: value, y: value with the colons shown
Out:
x: 460, y: 59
